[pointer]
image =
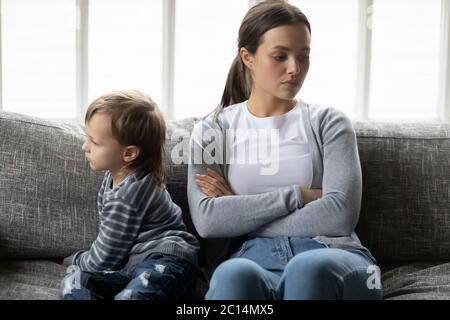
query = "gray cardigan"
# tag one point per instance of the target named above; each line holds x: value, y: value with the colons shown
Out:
x: 330, y: 220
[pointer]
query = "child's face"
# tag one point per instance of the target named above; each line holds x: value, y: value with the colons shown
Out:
x: 101, y: 149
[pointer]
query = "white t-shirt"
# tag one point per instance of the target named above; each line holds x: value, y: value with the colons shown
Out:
x: 267, y: 153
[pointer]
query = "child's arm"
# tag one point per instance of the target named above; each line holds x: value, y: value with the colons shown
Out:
x: 118, y: 230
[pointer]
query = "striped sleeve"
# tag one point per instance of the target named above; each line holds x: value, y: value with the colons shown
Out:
x: 118, y: 230
x: 100, y: 193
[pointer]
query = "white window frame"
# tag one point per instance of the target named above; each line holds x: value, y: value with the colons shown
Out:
x: 82, y: 57
x: 1, y: 60
x: 168, y: 59
x: 364, y: 56
x: 444, y: 63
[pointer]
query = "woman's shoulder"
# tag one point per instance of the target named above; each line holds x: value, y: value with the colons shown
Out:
x: 326, y: 116
x: 323, y: 110
x: 219, y: 121
x: 228, y: 114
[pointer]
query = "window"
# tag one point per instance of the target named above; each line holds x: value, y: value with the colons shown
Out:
x: 331, y: 79
x: 405, y: 59
x: 404, y: 56
x: 372, y: 59
x: 206, y: 44
x: 38, y: 57
x: 125, y: 40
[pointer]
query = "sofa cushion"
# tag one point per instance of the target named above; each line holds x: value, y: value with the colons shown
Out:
x: 47, y: 192
x: 176, y: 163
x: 405, y: 210
x: 30, y: 279
x: 420, y: 281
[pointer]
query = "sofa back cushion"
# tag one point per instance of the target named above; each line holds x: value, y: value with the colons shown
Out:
x: 405, y: 211
x: 176, y: 165
x: 48, y: 194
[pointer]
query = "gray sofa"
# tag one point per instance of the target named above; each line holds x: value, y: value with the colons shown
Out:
x: 48, y: 203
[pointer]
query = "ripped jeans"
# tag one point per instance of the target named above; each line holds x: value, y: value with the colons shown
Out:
x: 159, y: 276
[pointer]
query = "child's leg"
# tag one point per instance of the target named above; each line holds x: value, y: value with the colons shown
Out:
x: 81, y: 285
x: 160, y: 277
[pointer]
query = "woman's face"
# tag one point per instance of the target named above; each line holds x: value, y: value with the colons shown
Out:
x: 281, y: 62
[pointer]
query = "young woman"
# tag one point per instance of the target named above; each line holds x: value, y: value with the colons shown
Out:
x: 295, y: 207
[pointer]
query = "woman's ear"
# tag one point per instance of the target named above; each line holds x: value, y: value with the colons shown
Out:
x: 131, y: 153
x: 247, y: 58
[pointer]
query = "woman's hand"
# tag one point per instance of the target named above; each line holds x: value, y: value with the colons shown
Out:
x: 310, y: 195
x: 213, y: 184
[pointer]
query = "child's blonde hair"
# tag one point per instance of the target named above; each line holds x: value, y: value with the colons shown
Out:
x: 135, y: 120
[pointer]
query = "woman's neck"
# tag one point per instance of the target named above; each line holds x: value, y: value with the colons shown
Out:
x: 268, y: 106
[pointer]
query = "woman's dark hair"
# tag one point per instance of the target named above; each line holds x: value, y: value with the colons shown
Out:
x: 259, y: 19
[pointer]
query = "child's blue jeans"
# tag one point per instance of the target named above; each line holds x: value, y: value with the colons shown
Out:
x: 295, y: 268
x: 159, y: 277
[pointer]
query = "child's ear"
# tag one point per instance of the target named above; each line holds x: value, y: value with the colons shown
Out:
x: 131, y: 153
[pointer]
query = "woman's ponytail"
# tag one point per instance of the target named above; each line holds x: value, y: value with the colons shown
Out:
x: 238, y: 85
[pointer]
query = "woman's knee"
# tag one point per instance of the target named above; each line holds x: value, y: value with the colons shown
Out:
x: 239, y: 279
x: 318, y: 262
x: 237, y: 270
x: 342, y: 273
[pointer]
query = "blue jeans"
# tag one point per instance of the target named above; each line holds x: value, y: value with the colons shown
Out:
x: 157, y: 277
x: 293, y: 268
